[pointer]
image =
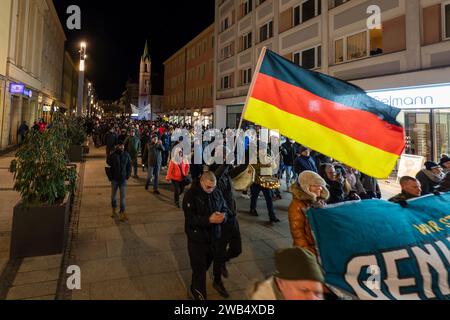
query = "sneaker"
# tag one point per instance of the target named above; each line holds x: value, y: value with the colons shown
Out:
x: 156, y: 192
x: 225, y: 271
x: 221, y: 289
x: 195, y: 295
x: 254, y: 213
x: 123, y: 217
x: 275, y: 220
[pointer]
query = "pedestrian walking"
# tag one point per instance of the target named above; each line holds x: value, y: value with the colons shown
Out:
x: 153, y: 157
x: 133, y: 146
x: 111, y: 140
x: 205, y: 211
x: 120, y: 164
x: 229, y: 246
x: 177, y: 173
x: 309, y: 191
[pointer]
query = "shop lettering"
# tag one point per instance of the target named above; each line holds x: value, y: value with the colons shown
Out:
x: 407, y: 101
x: 427, y: 258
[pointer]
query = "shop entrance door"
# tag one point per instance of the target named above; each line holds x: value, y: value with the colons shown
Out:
x: 418, y: 128
x: 441, y: 119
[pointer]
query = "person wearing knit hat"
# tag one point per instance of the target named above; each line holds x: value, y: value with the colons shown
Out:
x: 310, y: 191
x: 298, y: 277
x: 445, y: 163
x: 430, y: 177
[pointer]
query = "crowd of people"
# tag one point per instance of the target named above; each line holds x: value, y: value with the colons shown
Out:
x: 209, y: 202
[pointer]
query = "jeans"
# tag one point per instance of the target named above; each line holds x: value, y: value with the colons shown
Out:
x: 134, y: 164
x: 289, y: 172
x: 153, y: 172
x: 122, y: 186
x: 255, y: 191
x: 178, y: 190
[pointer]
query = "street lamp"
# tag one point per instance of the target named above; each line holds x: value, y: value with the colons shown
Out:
x: 83, y: 57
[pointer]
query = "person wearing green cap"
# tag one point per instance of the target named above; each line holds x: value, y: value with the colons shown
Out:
x: 298, y: 277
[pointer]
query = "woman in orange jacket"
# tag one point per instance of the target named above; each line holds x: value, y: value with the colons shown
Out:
x: 177, y: 174
x: 309, y: 191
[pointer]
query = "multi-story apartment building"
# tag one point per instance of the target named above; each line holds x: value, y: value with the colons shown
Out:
x: 405, y: 62
x: 70, y: 83
x: 33, y: 39
x: 189, y: 81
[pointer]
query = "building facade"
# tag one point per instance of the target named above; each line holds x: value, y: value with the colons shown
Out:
x: 408, y: 54
x: 33, y: 39
x: 189, y: 81
x: 70, y: 84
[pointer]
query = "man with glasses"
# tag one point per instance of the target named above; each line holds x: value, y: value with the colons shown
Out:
x: 205, y: 211
x: 297, y: 277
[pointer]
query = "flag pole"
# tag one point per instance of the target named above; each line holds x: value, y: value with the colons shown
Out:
x: 250, y: 91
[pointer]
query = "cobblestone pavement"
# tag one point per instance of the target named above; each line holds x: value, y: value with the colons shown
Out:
x: 144, y: 259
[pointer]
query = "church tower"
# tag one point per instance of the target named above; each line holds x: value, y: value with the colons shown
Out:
x: 145, y: 79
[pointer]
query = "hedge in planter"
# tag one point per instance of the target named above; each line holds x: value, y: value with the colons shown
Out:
x: 77, y: 136
x: 40, y: 172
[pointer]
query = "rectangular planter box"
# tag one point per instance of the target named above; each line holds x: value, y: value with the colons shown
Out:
x: 75, y: 153
x: 39, y: 231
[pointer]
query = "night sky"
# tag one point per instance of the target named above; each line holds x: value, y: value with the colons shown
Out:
x: 116, y: 32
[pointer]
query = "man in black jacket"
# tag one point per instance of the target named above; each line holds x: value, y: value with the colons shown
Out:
x: 153, y: 155
x: 111, y: 141
x: 288, y: 152
x: 205, y: 212
x: 120, y: 163
x: 229, y: 246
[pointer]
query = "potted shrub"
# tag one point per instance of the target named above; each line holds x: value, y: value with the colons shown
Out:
x: 45, y: 183
x: 77, y: 136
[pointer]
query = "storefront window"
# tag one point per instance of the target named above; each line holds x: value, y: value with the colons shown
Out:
x: 418, y: 133
x: 442, y: 125
x: 447, y: 20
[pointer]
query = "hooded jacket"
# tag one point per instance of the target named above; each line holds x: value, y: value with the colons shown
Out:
x: 298, y: 222
x: 429, y: 181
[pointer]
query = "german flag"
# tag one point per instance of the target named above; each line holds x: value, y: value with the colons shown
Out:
x: 326, y: 114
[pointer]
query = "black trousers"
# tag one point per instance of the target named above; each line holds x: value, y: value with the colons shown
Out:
x: 228, y: 247
x: 178, y: 190
x: 201, y: 257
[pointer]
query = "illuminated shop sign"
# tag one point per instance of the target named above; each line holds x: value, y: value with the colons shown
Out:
x: 28, y: 93
x: 16, y: 88
x: 47, y: 108
x: 425, y: 97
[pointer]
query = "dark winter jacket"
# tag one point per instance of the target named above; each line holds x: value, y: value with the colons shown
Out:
x: 198, y: 206
x: 120, y: 163
x: 225, y: 186
x: 111, y: 140
x: 153, y: 154
x: 304, y: 164
x: 288, y: 153
x: 428, y: 181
